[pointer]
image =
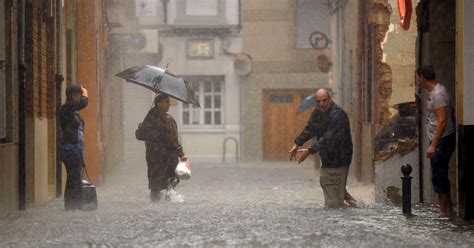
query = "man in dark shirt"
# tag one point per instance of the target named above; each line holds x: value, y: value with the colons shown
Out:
x: 72, y: 143
x: 330, y: 125
x: 160, y: 133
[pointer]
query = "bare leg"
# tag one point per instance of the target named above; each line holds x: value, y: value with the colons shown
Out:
x: 350, y: 200
x: 445, y: 205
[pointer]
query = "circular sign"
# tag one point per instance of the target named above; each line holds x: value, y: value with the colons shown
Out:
x: 318, y: 40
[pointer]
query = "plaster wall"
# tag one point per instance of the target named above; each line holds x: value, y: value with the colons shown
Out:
x: 388, y: 182
x: 201, y: 142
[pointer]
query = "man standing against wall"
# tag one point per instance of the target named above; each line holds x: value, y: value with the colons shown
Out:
x: 329, y: 123
x: 441, y: 133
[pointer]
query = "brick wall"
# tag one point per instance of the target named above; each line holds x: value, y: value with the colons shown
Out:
x: 40, y: 62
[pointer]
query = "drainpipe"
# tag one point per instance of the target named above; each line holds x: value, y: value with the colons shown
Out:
x: 421, y: 12
x: 59, y: 80
x: 242, y: 96
x: 340, y: 16
x: 165, y: 11
x: 21, y: 110
x: 98, y: 46
x: 239, y: 27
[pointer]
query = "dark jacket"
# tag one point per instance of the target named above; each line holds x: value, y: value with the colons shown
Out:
x: 332, y: 130
x: 160, y: 133
x: 70, y: 121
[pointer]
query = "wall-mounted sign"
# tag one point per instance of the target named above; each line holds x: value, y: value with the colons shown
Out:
x: 200, y: 48
x: 146, y: 7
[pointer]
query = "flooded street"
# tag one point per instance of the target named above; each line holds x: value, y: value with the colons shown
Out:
x: 249, y: 205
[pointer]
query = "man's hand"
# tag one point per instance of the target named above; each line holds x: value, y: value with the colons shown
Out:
x: 430, y: 152
x: 84, y: 91
x: 293, y: 151
x: 304, y: 155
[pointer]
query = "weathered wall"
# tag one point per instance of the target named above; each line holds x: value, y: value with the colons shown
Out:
x: 399, y: 50
x: 90, y: 74
x: 396, y: 84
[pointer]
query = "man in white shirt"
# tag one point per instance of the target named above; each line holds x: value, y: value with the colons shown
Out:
x: 441, y: 133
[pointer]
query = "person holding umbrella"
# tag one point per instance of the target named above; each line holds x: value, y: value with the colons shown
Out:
x: 160, y: 133
x: 329, y: 123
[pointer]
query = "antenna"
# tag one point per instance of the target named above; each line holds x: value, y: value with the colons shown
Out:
x: 167, y: 65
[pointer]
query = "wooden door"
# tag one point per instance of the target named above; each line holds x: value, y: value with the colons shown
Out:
x: 281, y: 123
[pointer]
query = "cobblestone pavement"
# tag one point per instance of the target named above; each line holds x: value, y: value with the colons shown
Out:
x: 251, y: 205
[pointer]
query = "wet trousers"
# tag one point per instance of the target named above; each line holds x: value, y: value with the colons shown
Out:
x: 333, y: 182
x: 440, y: 163
x: 73, y: 162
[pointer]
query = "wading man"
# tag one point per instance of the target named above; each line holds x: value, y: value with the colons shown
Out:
x: 329, y: 123
x: 160, y: 133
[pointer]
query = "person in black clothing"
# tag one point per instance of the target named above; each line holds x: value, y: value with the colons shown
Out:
x: 163, y: 149
x: 72, y: 143
x: 329, y: 123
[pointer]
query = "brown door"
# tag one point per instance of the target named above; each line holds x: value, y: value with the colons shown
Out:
x: 281, y: 123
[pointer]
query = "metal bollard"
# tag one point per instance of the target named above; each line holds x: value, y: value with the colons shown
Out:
x: 406, y: 189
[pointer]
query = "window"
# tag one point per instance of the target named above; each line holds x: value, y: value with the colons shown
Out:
x: 210, y: 91
x: 201, y: 12
x: 311, y: 16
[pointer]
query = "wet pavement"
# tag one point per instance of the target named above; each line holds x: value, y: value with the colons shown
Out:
x: 251, y: 205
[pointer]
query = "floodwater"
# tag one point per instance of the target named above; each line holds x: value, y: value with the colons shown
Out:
x: 251, y: 205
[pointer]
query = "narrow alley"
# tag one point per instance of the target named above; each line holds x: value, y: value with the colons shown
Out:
x: 253, y: 205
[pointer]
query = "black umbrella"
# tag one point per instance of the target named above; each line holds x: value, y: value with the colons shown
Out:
x: 308, y: 103
x: 160, y: 81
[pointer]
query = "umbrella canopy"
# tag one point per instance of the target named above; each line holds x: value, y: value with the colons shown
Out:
x: 160, y: 81
x: 308, y: 103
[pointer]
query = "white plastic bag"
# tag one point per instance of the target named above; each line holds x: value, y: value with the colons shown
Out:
x: 183, y: 170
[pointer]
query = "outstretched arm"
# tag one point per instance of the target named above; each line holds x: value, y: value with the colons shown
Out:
x: 307, y: 133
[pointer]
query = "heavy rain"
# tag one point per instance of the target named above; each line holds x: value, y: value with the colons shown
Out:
x: 223, y: 123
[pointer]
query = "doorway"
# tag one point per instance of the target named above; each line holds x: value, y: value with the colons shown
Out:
x: 281, y: 122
